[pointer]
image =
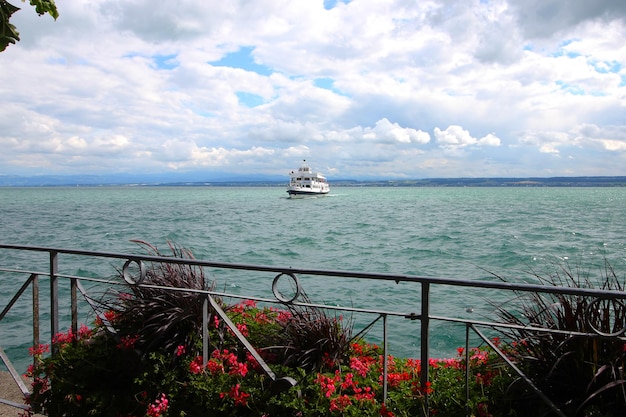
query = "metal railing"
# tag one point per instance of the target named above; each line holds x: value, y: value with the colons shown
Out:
x: 133, y: 272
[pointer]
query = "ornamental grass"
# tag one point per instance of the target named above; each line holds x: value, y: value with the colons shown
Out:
x: 582, y: 375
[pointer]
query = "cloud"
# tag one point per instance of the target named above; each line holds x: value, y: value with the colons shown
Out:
x: 542, y: 18
x: 457, y: 137
x: 359, y: 87
x: 388, y: 132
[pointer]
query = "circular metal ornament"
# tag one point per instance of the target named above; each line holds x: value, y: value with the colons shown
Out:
x: 605, y: 311
x: 128, y: 274
x: 279, y: 295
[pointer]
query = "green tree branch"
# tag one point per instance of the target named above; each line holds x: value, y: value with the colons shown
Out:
x: 8, y: 32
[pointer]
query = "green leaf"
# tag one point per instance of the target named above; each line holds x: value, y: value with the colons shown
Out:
x: 45, y: 6
x: 8, y: 32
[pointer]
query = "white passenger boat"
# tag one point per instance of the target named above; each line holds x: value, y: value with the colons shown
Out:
x: 305, y: 182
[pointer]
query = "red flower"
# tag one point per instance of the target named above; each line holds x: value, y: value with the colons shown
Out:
x: 38, y: 350
x: 215, y: 367
x: 384, y: 412
x: 253, y: 362
x: 239, y: 369
x: 195, y: 367
x: 327, y: 384
x: 483, y: 410
x: 340, y: 403
x: 240, y: 397
x: 63, y: 338
x: 394, y: 379
x: 128, y: 342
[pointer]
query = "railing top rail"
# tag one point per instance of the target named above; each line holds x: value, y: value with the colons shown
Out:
x: 459, y: 282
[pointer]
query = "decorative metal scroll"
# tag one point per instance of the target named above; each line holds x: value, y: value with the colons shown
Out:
x: 134, y: 271
x: 295, y: 283
x: 605, y: 317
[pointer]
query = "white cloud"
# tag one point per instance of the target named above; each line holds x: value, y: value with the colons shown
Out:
x: 385, y: 131
x: 489, y: 140
x: 129, y: 86
x: 457, y: 137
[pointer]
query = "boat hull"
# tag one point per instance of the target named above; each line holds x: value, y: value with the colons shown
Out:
x: 295, y: 193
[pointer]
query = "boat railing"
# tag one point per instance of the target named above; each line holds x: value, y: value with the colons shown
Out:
x: 26, y: 276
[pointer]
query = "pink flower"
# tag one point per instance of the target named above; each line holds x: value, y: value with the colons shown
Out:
x: 359, y: 366
x: 283, y: 316
x: 84, y: 332
x: 159, y: 407
x: 180, y: 350
x: 243, y: 329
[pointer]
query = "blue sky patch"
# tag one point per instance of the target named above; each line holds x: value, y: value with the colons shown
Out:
x: 570, y: 88
x: 331, y: 4
x: 326, y: 83
x: 606, y: 67
x: 249, y: 99
x: 242, y: 59
x: 165, y: 62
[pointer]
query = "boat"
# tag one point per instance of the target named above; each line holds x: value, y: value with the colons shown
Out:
x: 305, y: 182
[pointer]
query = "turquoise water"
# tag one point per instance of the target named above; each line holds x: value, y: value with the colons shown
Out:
x: 465, y: 233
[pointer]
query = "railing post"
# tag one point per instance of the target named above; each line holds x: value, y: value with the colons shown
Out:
x: 467, y: 368
x: 425, y: 322
x: 74, y: 301
x: 385, y: 366
x: 36, y: 340
x: 54, y: 296
x: 205, y: 331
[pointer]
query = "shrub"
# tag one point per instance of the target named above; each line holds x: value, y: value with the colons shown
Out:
x: 91, y: 375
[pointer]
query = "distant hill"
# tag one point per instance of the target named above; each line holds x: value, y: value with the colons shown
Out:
x: 228, y: 180
x: 497, y: 182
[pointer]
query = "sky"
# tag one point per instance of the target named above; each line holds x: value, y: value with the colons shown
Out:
x: 361, y: 89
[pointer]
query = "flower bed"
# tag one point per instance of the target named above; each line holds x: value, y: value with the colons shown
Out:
x: 143, y: 358
x: 96, y: 372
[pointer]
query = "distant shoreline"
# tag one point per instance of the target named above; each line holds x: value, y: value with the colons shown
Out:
x: 600, y: 181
